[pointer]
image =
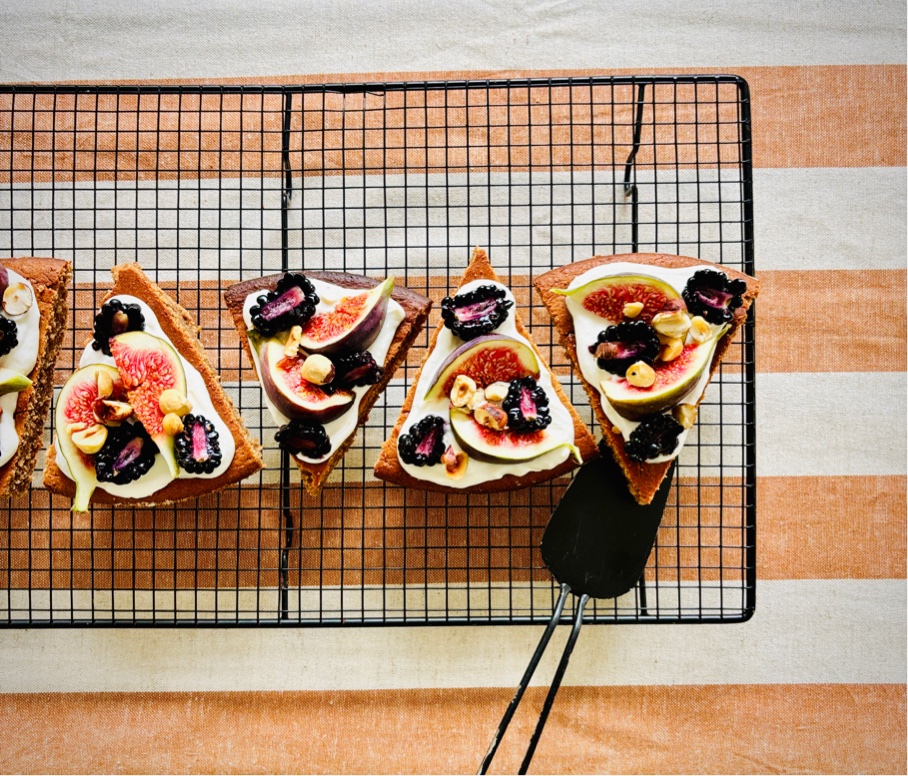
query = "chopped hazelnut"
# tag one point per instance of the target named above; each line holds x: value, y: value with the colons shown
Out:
x: 462, y: 391
x: 91, y: 439
x: 700, y: 330
x: 497, y: 391
x: 632, y: 309
x: 672, y: 349
x: 640, y: 375
x: 685, y: 414
x: 455, y: 463
x: 672, y: 324
x: 174, y: 401
x: 292, y: 345
x: 17, y: 299
x: 491, y: 416
x: 317, y: 369
x: 172, y: 424
x: 479, y: 399
x: 111, y: 413
x: 105, y: 384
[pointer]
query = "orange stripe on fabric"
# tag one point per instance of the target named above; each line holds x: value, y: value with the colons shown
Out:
x: 644, y: 729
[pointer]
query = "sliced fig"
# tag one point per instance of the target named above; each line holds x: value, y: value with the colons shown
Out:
x: 294, y: 396
x: 12, y: 381
x: 473, y: 313
x: 351, y: 325
x: 527, y: 406
x: 488, y: 359
x: 423, y: 444
x: 607, y: 296
x: 617, y: 347
x: 485, y: 444
x: 713, y: 295
x: 148, y: 366
x: 292, y: 303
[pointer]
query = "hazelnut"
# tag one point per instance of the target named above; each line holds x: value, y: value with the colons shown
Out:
x: 491, y: 416
x: 172, y: 424
x: 72, y: 428
x: 700, y: 330
x: 455, y: 463
x: 497, y: 391
x: 111, y: 413
x: 632, y: 309
x: 172, y: 401
x: 673, y: 324
x: 292, y: 345
x: 17, y: 299
x: 462, y: 391
x: 480, y: 398
x: 317, y: 369
x: 105, y: 384
x: 671, y: 349
x: 640, y: 375
x: 685, y: 414
x: 91, y: 439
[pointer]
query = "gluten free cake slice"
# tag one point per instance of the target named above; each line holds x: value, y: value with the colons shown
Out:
x: 485, y: 412
x: 324, y: 346
x: 144, y: 419
x: 646, y: 332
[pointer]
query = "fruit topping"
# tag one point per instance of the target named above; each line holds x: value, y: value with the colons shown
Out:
x: 12, y: 381
x: 17, y: 299
x: 9, y: 335
x: 486, y: 444
x: 172, y: 424
x: 290, y: 304
x: 317, y: 369
x: 700, y: 330
x: 497, y: 391
x: 197, y: 446
x: 354, y: 369
x: 351, y: 325
x: 423, y: 444
x: 713, y: 295
x: 477, y: 312
x: 527, y: 406
x: 299, y: 437
x: 455, y: 463
x: 127, y: 454
x: 671, y: 349
x: 116, y: 317
x: 685, y: 414
x: 656, y: 435
x: 632, y: 309
x: 616, y: 297
x: 619, y: 347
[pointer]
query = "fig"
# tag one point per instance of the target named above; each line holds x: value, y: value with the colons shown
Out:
x: 485, y: 444
x: 423, y: 444
x: 618, y: 347
x: 488, y: 359
x: 75, y: 405
x: 148, y: 366
x: 197, y: 447
x: 527, y: 406
x: 474, y: 313
x: 12, y: 381
x: 351, y: 325
x: 606, y: 297
x: 711, y: 294
x: 116, y: 317
x: 294, y: 396
x: 655, y: 436
x: 9, y: 335
x: 126, y: 455
x: 292, y: 303
x: 299, y: 437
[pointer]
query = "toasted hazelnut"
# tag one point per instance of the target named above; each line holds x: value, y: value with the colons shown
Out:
x: 672, y: 349
x: 479, y: 399
x: 497, y: 391
x: 673, y: 324
x: 17, y: 299
x: 172, y: 424
x: 455, y: 463
x: 685, y: 414
x: 72, y: 428
x: 700, y: 330
x: 462, y: 391
x: 91, y: 439
x: 111, y: 413
x: 640, y: 375
x: 491, y: 416
x: 317, y: 369
x: 105, y: 384
x: 292, y: 345
x: 172, y: 401
x: 632, y: 309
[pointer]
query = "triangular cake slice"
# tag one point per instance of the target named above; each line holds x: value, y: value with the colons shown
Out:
x: 144, y: 420
x: 485, y: 412
x: 324, y: 346
x: 646, y: 332
x: 34, y: 312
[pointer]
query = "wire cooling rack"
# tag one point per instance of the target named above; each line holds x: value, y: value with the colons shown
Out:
x: 207, y: 185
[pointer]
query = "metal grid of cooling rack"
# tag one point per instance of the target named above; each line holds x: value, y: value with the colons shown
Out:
x: 207, y: 185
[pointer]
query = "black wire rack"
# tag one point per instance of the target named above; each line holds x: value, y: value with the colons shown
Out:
x: 208, y: 185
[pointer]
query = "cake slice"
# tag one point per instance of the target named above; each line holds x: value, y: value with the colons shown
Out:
x: 324, y: 346
x: 32, y: 322
x: 646, y: 332
x: 144, y: 420
x: 485, y: 412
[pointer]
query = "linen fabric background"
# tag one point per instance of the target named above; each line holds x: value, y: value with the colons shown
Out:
x: 814, y: 683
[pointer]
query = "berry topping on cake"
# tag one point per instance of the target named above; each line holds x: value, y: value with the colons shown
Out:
x: 127, y: 454
x: 9, y: 336
x: 116, y: 317
x: 424, y: 444
x: 197, y: 447
x: 477, y: 312
x: 713, y: 295
x: 656, y: 435
x: 355, y: 369
x: 299, y: 437
x: 619, y: 347
x: 527, y: 406
x: 292, y: 303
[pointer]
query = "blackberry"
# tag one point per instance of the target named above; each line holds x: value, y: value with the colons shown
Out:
x: 656, y: 435
x: 301, y: 438
x: 9, y: 335
x: 713, y: 295
x: 527, y: 406
x: 423, y: 444
x: 619, y: 347
x: 116, y: 317
x: 197, y: 447
x: 477, y: 312
x: 292, y: 303
x: 127, y: 454
x: 356, y: 369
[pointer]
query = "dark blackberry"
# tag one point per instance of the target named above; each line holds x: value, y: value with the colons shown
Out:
x: 477, y: 312
x: 116, y: 317
x: 127, y: 454
x: 527, y: 406
x: 301, y: 438
x: 713, y: 295
x: 656, y: 435
x: 423, y: 444
x: 197, y: 447
x: 619, y: 347
x: 9, y: 335
x: 292, y: 303
x: 356, y: 369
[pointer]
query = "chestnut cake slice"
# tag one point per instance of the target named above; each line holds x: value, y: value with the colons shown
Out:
x: 646, y: 332
x: 485, y: 413
x: 324, y: 346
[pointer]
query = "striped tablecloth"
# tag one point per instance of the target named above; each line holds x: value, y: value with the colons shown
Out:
x: 815, y: 682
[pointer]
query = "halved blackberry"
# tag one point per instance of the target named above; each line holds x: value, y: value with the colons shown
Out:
x: 9, y: 335
x: 356, y: 369
x: 197, y: 447
x: 527, y: 406
x: 292, y: 303
x: 127, y: 454
x: 713, y: 295
x: 301, y: 438
x: 116, y: 317
x: 619, y: 347
x: 477, y: 312
x: 656, y: 435
x: 423, y: 444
